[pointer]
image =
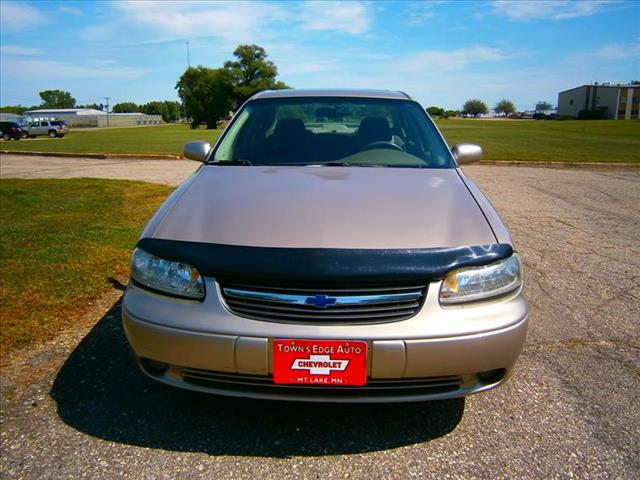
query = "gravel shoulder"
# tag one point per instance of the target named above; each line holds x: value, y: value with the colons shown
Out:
x: 168, y: 172
x: 571, y: 410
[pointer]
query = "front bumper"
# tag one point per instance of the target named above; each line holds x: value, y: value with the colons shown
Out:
x: 443, y: 352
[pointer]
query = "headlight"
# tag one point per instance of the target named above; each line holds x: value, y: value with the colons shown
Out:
x: 174, y: 278
x: 477, y: 283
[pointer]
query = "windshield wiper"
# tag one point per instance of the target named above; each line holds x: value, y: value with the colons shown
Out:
x: 338, y: 163
x: 233, y: 162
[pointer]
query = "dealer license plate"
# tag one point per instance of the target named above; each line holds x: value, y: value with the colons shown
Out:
x: 320, y: 362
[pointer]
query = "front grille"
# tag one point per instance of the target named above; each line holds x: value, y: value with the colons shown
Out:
x: 324, y: 305
x: 395, y: 387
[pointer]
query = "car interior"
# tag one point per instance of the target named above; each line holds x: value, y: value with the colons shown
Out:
x: 331, y: 135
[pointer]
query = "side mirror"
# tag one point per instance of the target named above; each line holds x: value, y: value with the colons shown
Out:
x: 467, y: 153
x: 197, y: 150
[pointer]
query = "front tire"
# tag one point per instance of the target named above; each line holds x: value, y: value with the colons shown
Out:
x: 24, y: 135
x: 5, y: 136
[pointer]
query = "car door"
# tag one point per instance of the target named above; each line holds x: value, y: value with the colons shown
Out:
x: 34, y: 128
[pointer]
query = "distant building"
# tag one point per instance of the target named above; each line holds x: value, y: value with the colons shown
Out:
x: 56, y: 112
x: 89, y: 117
x: 617, y: 102
x: 10, y: 117
x: 545, y: 108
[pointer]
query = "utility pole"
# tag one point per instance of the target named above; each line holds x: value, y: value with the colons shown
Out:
x: 107, y: 99
x: 188, y: 58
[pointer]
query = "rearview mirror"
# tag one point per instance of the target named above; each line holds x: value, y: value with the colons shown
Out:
x: 467, y: 153
x: 198, y: 151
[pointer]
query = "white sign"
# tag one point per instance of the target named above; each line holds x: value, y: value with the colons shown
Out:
x: 319, y: 364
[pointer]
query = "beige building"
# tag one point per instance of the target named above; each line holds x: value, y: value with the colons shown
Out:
x: 617, y: 102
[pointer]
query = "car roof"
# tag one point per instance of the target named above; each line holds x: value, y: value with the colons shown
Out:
x: 363, y: 93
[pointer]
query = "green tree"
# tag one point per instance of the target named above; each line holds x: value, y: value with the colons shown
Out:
x: 252, y: 72
x: 171, y: 110
x: 207, y: 94
x: 56, y: 99
x: 17, y: 109
x: 542, y: 105
x: 152, y: 108
x: 474, y: 107
x: 126, y: 107
x: 168, y: 109
x: 505, y: 107
x: 435, y: 111
x: 95, y: 106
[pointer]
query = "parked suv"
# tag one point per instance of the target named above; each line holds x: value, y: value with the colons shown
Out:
x: 11, y: 130
x: 329, y: 249
x: 52, y: 128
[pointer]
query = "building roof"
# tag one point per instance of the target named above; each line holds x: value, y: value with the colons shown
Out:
x: 67, y: 111
x: 602, y: 85
x: 292, y: 93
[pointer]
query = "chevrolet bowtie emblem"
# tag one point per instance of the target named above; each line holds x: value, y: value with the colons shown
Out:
x: 320, y: 301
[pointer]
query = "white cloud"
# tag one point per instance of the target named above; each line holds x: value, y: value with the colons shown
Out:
x: 438, y: 61
x: 246, y: 21
x: 231, y: 21
x: 615, y: 51
x: 70, y: 10
x: 419, y: 13
x: 293, y: 60
x: 28, y: 68
x: 19, y: 17
x: 19, y: 51
x: 96, y: 33
x: 347, y: 17
x: 102, y: 63
x: 525, y: 10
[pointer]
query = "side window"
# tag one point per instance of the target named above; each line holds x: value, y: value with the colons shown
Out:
x: 35, y: 124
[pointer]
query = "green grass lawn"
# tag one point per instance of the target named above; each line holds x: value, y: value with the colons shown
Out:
x: 549, y: 140
x: 61, y: 242
x: 163, y: 139
x: 555, y: 141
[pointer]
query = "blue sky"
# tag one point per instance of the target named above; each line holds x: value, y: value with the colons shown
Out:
x: 441, y: 52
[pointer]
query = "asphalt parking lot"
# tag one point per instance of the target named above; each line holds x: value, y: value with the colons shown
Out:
x: 571, y: 410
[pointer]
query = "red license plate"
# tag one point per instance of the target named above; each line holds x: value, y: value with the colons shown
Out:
x: 320, y: 362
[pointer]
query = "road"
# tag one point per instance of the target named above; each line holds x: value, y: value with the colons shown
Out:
x: 168, y: 172
x: 572, y: 408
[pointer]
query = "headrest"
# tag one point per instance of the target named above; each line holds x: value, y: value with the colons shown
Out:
x: 374, y: 129
x: 289, y: 127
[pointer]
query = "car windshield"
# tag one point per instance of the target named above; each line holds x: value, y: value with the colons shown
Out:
x: 333, y: 131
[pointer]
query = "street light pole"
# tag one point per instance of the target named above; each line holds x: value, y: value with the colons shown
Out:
x: 107, y: 99
x: 188, y: 57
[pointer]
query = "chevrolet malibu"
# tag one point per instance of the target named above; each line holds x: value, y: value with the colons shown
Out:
x: 328, y: 249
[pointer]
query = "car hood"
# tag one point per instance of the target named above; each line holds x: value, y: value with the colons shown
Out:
x: 323, y: 207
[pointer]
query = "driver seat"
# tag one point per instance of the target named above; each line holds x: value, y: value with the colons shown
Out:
x: 289, y: 142
x: 373, y: 129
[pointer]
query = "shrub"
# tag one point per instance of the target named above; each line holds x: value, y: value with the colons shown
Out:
x: 590, y: 115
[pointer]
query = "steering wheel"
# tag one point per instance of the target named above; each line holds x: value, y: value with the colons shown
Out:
x: 381, y: 144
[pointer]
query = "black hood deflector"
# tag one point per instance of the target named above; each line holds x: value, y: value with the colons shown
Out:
x: 320, y: 266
